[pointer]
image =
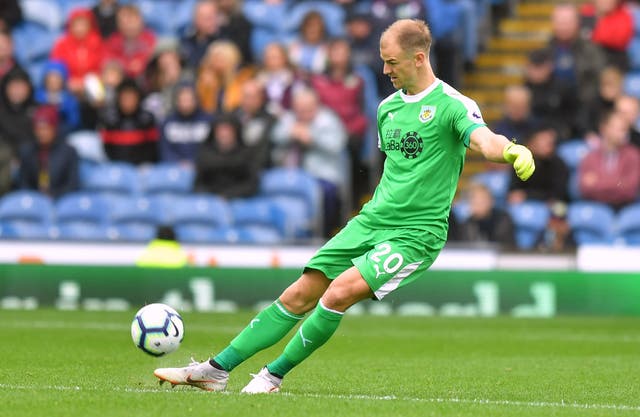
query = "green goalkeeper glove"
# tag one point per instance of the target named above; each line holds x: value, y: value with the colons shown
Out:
x: 521, y: 158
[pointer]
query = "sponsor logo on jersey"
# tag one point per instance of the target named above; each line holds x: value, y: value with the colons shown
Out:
x: 427, y: 113
x: 411, y: 145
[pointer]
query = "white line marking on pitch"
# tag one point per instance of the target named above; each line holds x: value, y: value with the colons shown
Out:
x: 475, y: 401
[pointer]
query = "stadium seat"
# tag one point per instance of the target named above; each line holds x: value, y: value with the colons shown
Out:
x: 631, y: 84
x: 112, y: 178
x: 295, y: 184
x: 32, y: 42
x: 133, y: 232
x: 44, y: 12
x: 572, y: 152
x: 24, y: 230
x: 85, y: 232
x: 201, y: 209
x: 27, y: 207
x: 497, y: 182
x: 88, y: 145
x: 591, y: 222
x: 260, y: 213
x: 82, y: 208
x: 628, y: 224
x: 211, y: 234
x: 70, y: 5
x: 461, y: 210
x: 134, y: 211
x: 159, y: 15
x: 530, y: 220
x: 168, y: 179
x: 261, y: 235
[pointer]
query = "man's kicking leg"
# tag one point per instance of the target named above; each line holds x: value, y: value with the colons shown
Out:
x: 266, y: 329
x: 344, y: 291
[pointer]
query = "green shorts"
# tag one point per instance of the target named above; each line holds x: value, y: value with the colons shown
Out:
x: 387, y: 259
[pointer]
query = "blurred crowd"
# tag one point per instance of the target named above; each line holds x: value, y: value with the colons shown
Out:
x: 242, y: 87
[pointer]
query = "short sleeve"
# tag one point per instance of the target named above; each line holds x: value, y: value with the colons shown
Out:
x: 466, y: 117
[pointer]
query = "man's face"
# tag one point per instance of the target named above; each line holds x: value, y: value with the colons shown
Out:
x: 80, y: 27
x: 615, y: 131
x: 186, y: 101
x: 128, y: 101
x: 130, y: 24
x: 18, y: 91
x: 206, y: 18
x: 6, y: 47
x: 565, y: 23
x: 399, y: 66
x: 305, y: 107
x: 45, y: 133
x: 252, y: 97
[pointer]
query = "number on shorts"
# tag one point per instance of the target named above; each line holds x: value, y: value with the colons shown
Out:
x: 391, y: 264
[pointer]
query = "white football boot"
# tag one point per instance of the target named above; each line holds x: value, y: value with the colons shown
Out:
x: 263, y: 383
x: 199, y: 375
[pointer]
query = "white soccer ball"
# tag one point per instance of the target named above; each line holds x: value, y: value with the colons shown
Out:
x: 157, y: 329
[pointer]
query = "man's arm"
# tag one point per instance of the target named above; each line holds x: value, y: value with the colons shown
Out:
x: 498, y: 148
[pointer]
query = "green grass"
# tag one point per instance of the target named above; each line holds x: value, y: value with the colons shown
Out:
x: 84, y: 364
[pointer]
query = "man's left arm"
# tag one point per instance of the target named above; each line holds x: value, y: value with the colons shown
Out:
x: 498, y: 148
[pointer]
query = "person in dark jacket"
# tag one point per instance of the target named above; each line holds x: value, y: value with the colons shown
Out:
x: 128, y: 132
x: 224, y: 165
x: 486, y: 223
x: 49, y: 165
x: 105, y: 12
x: 16, y: 107
x: 185, y: 129
x: 204, y: 29
x: 10, y: 14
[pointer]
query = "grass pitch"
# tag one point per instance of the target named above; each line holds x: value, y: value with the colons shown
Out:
x: 84, y: 364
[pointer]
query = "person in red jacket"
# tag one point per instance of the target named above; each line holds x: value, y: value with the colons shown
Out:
x: 610, y: 174
x: 611, y: 25
x: 80, y: 48
x: 133, y: 44
x: 342, y: 90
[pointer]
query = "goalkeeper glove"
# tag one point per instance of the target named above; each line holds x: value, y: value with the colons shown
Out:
x: 521, y: 158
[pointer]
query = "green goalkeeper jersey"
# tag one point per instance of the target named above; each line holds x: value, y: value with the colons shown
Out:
x: 424, y: 137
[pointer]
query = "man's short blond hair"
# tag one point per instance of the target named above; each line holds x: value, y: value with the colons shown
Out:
x: 412, y: 35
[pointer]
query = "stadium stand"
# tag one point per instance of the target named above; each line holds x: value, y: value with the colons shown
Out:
x: 591, y: 222
x: 530, y: 219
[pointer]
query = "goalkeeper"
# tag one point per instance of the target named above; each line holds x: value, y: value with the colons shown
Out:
x: 424, y: 129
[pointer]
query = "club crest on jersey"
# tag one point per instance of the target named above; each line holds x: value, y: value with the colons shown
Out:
x: 427, y: 113
x: 411, y: 145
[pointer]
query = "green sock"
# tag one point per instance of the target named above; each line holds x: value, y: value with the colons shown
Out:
x: 313, y: 333
x: 266, y: 329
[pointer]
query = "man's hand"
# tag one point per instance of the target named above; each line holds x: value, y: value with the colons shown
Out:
x: 521, y: 158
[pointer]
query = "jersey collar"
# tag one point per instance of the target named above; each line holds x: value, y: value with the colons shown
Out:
x: 417, y: 97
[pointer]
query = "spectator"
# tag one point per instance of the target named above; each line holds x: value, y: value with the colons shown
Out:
x: 577, y: 62
x: 163, y: 73
x: 235, y: 27
x: 54, y: 91
x: 342, y: 90
x: 517, y: 121
x: 257, y: 123
x: 629, y: 107
x: 129, y: 133
x: 551, y: 101
x: 133, y: 44
x: 105, y: 14
x: 10, y: 15
x: 278, y: 77
x: 612, y: 29
x: 611, y: 173
x: 204, y: 30
x: 610, y: 88
x: 16, y: 107
x: 100, y: 92
x: 163, y: 251
x: 220, y: 78
x: 6, y: 167
x: 364, y: 44
x: 224, y: 165
x: 486, y: 223
x: 80, y: 48
x: 49, y: 165
x: 551, y: 180
x: 312, y: 137
x: 186, y: 128
x: 7, y: 59
x: 308, y: 51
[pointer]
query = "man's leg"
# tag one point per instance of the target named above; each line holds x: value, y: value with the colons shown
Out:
x: 344, y: 291
x: 266, y: 329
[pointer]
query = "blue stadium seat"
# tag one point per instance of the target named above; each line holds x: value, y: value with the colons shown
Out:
x: 44, y: 12
x: 26, y: 207
x: 260, y: 213
x: 112, y: 178
x: 88, y: 145
x: 461, y: 210
x: 82, y: 208
x: 572, y: 152
x: 296, y: 183
x: 201, y: 209
x: 134, y: 211
x: 591, y: 222
x: 497, y: 182
x: 261, y: 235
x: 530, y: 220
x: 165, y: 207
x: 631, y: 84
x: 211, y: 234
x: 32, y: 42
x: 169, y: 179
x: 159, y: 15
x: 133, y: 232
x: 628, y: 224
x: 85, y: 232
x: 299, y: 221
x: 70, y: 5
x: 24, y: 230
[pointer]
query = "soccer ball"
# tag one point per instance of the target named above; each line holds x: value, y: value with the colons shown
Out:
x: 157, y: 329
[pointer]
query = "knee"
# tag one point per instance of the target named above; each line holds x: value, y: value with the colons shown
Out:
x: 302, y: 296
x: 339, y: 297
